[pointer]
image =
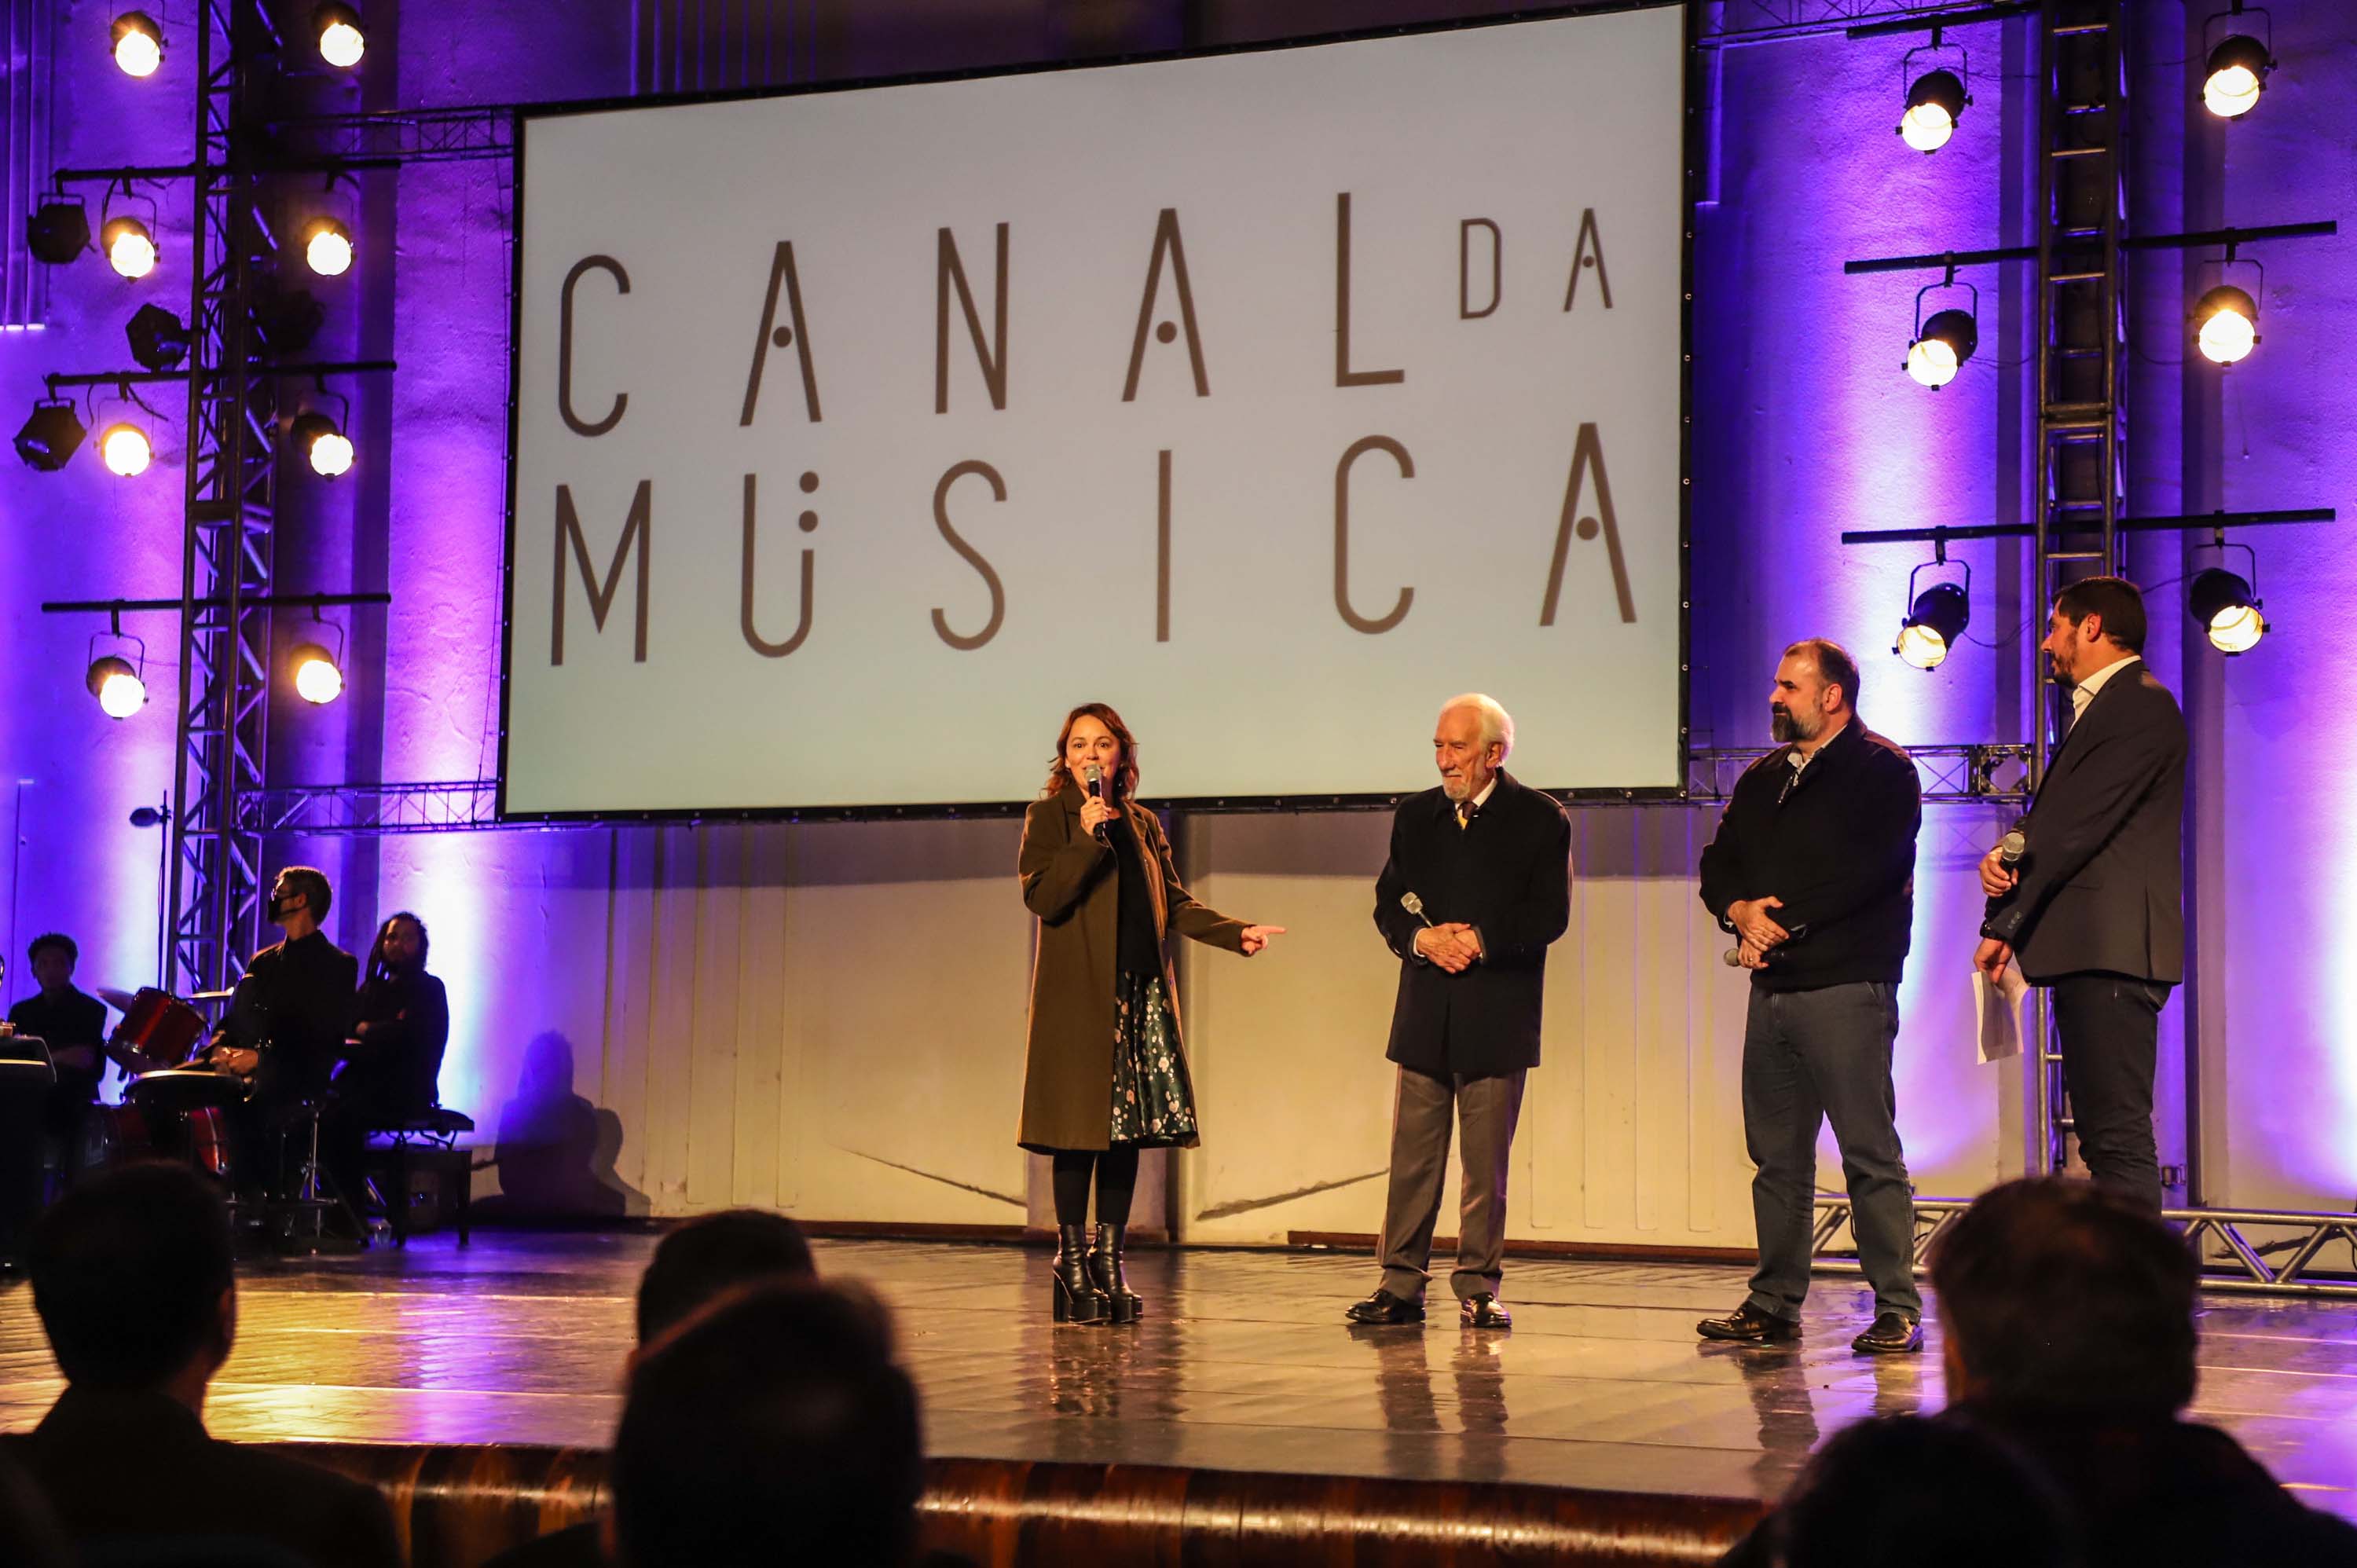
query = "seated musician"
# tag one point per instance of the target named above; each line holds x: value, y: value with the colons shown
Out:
x: 73, y: 1023
x: 393, y: 1064
x: 285, y: 1028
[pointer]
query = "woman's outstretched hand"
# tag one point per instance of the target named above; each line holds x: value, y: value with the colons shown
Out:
x: 1256, y: 937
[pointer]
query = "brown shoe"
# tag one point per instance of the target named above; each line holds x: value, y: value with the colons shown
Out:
x: 1893, y: 1334
x: 1750, y: 1325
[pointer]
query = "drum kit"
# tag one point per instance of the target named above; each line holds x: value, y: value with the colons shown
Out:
x: 176, y: 1100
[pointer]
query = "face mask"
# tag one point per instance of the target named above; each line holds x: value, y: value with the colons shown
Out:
x: 278, y: 910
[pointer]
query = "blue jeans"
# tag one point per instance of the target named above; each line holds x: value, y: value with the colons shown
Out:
x: 1809, y: 1056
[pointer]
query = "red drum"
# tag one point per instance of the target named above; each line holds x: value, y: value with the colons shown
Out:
x: 178, y: 1128
x: 161, y: 1027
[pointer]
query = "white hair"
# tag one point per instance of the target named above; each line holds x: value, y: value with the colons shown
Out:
x: 1497, y: 724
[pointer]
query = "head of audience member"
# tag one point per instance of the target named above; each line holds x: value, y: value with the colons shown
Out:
x: 772, y: 1426
x: 300, y: 901
x: 2097, y: 622
x: 705, y: 1258
x: 1470, y: 742
x: 1929, y: 1494
x: 133, y: 1279
x: 53, y: 956
x: 2058, y: 1296
x: 1816, y: 692
x: 400, y: 948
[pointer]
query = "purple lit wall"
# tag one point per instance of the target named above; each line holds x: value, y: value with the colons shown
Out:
x: 1806, y: 426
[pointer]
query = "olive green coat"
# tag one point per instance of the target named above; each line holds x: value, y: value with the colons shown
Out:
x: 1070, y: 882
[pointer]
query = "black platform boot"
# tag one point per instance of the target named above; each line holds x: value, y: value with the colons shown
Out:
x: 1104, y: 1271
x: 1078, y: 1300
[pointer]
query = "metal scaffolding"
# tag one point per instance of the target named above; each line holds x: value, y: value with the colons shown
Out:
x: 229, y: 518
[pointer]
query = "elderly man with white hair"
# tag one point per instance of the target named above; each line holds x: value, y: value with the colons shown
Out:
x: 1478, y: 884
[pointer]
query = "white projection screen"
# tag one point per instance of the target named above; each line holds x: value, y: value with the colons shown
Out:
x: 1272, y: 396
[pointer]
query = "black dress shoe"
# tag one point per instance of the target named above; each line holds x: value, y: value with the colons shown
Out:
x: 1484, y: 1311
x: 1750, y: 1325
x: 1383, y: 1306
x: 1893, y: 1334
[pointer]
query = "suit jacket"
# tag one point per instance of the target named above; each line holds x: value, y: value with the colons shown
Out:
x: 188, y: 1484
x: 1507, y: 873
x: 1070, y: 882
x: 2103, y: 884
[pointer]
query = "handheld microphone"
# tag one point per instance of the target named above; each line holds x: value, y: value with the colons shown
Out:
x: 1414, y: 906
x: 1096, y: 792
x: 1732, y: 957
x: 2012, y: 847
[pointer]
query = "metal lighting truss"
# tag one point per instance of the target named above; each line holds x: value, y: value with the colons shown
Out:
x: 225, y: 560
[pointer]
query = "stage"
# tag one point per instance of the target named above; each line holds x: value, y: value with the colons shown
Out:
x: 1244, y: 1364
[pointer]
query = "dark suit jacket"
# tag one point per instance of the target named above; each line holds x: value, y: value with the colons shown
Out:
x: 128, y: 1466
x: 2102, y: 883
x: 1509, y: 875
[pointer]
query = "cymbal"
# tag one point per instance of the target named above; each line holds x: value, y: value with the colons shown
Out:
x: 120, y: 1001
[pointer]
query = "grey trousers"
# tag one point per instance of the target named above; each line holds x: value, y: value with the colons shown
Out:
x: 1810, y: 1056
x: 1487, y: 1108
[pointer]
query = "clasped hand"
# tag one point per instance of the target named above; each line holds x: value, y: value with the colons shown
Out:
x: 1453, y: 946
x: 1758, y: 932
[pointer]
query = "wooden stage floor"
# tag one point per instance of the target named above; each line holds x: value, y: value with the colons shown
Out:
x: 1244, y: 1363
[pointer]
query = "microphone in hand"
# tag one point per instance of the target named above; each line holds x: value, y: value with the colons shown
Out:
x: 2012, y: 847
x: 1096, y: 792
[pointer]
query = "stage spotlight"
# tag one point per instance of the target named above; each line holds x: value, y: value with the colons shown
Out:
x: 1948, y: 339
x: 327, y: 247
x: 1937, y: 618
x: 138, y: 43
x: 286, y: 319
x: 158, y: 340
x: 2223, y: 604
x: 329, y: 449
x: 2226, y: 324
x: 2238, y: 72
x: 116, y: 685
x: 127, y: 449
x: 58, y: 231
x: 1934, y: 105
x: 317, y: 677
x: 130, y: 248
x: 51, y: 436
x: 340, y: 40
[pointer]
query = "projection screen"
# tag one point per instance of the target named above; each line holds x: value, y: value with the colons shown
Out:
x: 1272, y: 397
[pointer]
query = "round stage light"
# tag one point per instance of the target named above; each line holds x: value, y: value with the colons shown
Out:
x: 316, y: 678
x: 127, y: 449
x: 51, y: 436
x: 341, y: 43
x: 1934, y: 105
x: 58, y: 231
x: 2221, y: 602
x: 1948, y: 340
x: 329, y: 449
x: 130, y: 248
x: 327, y: 247
x: 117, y: 686
x: 138, y: 43
x: 158, y: 339
x: 2226, y: 324
x: 2237, y: 74
x: 1937, y: 618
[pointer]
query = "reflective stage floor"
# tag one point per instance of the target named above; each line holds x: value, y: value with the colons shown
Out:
x: 1243, y: 1363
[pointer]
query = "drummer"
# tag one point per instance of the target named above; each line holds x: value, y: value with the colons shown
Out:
x: 73, y: 1022
x: 287, y: 1023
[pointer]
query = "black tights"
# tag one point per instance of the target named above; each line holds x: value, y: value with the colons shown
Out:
x: 1116, y: 1172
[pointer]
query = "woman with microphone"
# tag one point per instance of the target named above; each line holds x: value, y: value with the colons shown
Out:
x: 1106, y: 1076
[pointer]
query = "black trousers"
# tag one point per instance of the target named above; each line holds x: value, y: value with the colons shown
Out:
x: 2109, y: 1025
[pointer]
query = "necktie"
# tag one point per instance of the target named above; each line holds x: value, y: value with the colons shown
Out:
x: 1466, y: 812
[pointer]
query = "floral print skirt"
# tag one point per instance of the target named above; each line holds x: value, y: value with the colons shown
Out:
x: 1153, y: 1101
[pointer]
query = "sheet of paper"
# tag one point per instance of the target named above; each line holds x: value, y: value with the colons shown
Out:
x: 1997, y: 1008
